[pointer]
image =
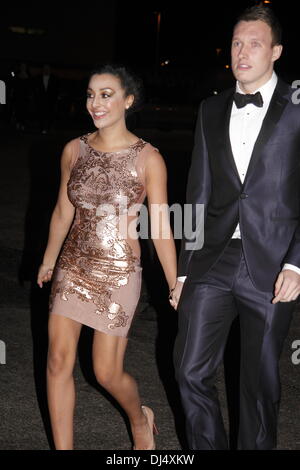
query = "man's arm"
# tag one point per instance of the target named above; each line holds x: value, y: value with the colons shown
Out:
x: 198, y: 191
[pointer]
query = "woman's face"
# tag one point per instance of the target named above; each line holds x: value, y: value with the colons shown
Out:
x: 106, y: 101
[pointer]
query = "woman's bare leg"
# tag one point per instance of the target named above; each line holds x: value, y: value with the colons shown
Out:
x: 108, y: 359
x: 63, y: 340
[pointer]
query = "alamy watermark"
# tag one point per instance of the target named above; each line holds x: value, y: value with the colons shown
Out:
x: 2, y: 352
x: 132, y: 221
x: 296, y: 354
x: 2, y: 92
x: 296, y: 94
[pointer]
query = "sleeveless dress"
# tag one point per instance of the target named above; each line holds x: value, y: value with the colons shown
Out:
x: 97, y: 277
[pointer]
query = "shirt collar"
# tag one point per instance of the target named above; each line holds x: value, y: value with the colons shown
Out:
x: 266, y: 90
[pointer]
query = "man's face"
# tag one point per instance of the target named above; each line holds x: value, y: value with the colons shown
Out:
x: 252, y: 54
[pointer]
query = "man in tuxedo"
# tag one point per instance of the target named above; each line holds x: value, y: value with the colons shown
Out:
x: 246, y: 171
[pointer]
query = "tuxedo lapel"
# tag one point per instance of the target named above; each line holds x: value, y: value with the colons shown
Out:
x: 226, y: 136
x: 277, y: 105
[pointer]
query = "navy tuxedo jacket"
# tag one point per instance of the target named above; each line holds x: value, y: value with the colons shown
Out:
x: 266, y: 205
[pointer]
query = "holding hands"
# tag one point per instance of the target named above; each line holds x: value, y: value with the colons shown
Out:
x: 175, y: 293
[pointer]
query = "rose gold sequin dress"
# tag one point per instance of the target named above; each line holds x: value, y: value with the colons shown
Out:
x: 97, y: 277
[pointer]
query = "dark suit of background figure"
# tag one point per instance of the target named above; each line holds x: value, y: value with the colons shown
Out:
x: 47, y: 92
x: 21, y: 97
x: 226, y: 277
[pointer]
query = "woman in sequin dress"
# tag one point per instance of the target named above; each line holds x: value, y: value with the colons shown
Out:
x: 93, y: 253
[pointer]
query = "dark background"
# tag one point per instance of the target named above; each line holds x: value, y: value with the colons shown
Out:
x: 74, y: 38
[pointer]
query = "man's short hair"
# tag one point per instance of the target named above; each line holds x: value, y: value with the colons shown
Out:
x: 265, y: 14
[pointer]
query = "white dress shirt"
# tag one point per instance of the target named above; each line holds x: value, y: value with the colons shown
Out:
x: 244, y: 127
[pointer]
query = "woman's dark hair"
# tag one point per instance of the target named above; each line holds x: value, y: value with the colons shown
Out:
x: 265, y: 14
x: 131, y: 84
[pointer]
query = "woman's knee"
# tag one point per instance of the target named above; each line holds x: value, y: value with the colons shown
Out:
x: 107, y: 377
x: 60, y: 361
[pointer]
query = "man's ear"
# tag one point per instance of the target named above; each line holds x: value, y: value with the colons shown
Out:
x: 277, y: 51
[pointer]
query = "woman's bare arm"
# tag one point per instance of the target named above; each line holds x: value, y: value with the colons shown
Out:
x: 61, y: 220
x: 161, y: 234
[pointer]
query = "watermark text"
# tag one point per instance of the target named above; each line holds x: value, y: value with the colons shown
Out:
x: 296, y: 94
x: 154, y: 222
x: 296, y: 354
x: 2, y: 92
x: 2, y: 352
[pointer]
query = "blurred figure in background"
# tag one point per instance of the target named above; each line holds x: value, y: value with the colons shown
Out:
x: 21, y: 95
x: 47, y: 92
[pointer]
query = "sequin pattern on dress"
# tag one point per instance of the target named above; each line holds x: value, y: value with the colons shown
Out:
x: 98, y: 275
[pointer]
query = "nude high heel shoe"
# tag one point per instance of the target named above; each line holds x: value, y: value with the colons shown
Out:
x: 151, y: 424
x: 153, y: 429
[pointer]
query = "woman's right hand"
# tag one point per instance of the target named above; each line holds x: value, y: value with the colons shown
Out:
x: 44, y: 274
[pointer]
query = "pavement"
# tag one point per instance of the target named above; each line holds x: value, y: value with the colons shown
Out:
x: 28, y: 183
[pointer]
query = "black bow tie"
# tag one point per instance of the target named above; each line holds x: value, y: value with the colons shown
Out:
x: 242, y: 100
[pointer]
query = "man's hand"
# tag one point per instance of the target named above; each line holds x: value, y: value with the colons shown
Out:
x: 176, y: 293
x: 287, y: 287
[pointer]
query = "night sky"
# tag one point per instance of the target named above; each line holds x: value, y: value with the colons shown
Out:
x: 78, y: 37
x: 191, y: 32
